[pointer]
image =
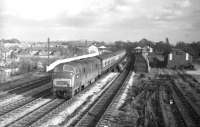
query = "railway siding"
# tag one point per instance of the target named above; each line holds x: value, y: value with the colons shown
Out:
x: 13, y: 98
x: 19, y: 103
x: 188, y: 95
x: 23, y: 82
x: 188, y: 113
x: 166, y: 109
x: 22, y: 89
x: 33, y: 116
x: 192, y: 89
x: 22, y: 111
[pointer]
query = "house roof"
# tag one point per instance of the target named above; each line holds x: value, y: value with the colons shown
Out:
x: 179, y: 50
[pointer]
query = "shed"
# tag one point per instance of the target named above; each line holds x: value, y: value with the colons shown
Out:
x: 178, y: 58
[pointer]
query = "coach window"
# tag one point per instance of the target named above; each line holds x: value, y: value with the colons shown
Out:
x: 83, y: 70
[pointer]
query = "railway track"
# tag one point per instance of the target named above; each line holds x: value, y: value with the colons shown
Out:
x: 175, y: 110
x: 94, y: 114
x: 67, y: 113
x: 6, y: 94
x: 14, y: 87
x: 31, y: 117
x: 187, y: 111
x: 190, y: 90
x: 106, y: 118
x: 157, y: 109
x: 18, y: 113
x: 99, y: 113
x: 168, y: 116
x: 21, y: 89
x: 192, y: 82
x: 19, y: 116
x: 27, y: 94
x: 7, y: 108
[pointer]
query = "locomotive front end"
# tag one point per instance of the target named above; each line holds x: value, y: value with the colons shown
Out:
x: 62, y: 88
x: 63, y: 82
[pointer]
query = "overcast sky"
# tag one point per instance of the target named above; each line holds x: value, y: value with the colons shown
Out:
x: 104, y: 20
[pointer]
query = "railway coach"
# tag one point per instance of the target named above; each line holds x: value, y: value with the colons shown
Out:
x: 109, y: 59
x: 72, y: 77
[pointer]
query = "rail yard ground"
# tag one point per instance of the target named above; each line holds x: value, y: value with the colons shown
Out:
x: 162, y: 97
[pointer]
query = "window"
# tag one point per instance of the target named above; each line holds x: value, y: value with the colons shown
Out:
x: 170, y: 56
x: 83, y: 70
x: 187, y: 57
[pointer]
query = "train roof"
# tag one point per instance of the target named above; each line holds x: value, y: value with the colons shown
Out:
x: 62, y: 61
x: 82, y: 59
x: 79, y: 64
x: 174, y: 50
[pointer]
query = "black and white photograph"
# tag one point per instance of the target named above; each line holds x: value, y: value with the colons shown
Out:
x: 99, y: 63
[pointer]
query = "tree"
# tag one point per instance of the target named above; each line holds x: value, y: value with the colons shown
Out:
x: 165, y: 48
x: 192, y: 48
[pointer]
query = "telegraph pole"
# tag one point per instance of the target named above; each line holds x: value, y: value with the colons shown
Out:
x: 48, y: 41
x: 5, y: 57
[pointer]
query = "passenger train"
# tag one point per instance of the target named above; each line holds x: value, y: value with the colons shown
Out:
x: 72, y: 77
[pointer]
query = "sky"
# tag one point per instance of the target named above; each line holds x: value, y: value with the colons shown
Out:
x: 102, y: 20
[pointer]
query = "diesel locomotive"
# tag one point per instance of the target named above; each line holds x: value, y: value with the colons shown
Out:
x: 72, y: 77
